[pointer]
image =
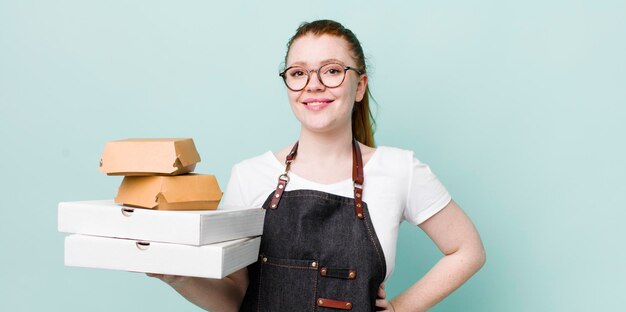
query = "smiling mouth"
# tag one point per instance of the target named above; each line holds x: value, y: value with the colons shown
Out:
x: 317, y: 103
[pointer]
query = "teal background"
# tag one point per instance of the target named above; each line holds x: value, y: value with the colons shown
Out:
x: 518, y: 107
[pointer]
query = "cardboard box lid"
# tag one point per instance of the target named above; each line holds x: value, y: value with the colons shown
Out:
x: 209, y: 261
x: 149, y: 191
x: 149, y: 156
x: 199, y: 227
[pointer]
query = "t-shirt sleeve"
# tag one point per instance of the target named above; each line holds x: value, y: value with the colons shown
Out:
x: 233, y: 198
x: 426, y: 195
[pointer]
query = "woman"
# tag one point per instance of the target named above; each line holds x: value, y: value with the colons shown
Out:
x: 334, y: 207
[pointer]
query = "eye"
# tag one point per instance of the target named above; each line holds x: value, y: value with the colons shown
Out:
x: 296, y: 72
x: 332, y: 70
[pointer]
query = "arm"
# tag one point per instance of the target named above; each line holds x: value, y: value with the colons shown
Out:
x: 211, y: 294
x: 455, y: 235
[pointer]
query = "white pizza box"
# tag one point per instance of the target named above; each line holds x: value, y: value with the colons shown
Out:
x: 209, y: 261
x: 192, y: 227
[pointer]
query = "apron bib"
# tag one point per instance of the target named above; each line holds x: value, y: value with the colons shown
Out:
x: 319, y: 251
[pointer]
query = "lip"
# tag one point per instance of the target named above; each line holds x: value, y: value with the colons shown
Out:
x: 317, y: 103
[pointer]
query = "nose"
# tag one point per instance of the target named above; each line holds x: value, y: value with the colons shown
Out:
x: 314, y: 84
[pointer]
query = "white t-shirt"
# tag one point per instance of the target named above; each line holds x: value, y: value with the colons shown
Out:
x: 397, y: 187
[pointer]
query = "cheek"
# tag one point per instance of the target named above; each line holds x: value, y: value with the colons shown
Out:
x: 352, y: 93
x: 292, y: 97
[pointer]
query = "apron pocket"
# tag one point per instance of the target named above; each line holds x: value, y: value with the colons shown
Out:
x: 287, y: 284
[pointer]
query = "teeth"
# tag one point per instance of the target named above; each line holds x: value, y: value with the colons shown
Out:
x: 316, y: 103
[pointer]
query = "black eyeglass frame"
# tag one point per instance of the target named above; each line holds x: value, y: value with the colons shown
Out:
x: 308, y: 75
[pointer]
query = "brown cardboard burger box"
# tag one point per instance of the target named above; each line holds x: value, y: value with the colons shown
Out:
x: 182, y: 192
x: 140, y: 157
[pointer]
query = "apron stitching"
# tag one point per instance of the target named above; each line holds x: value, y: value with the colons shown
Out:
x: 375, y: 247
x: 346, y: 199
x: 291, y: 266
x: 258, y: 301
x: 315, y: 293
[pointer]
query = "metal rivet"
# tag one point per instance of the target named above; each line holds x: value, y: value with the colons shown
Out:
x: 281, y: 186
x: 360, y: 215
x: 277, y: 195
x: 323, y: 271
x: 352, y: 275
x: 358, y: 205
x: 320, y: 301
x: 264, y: 259
x: 349, y: 305
x: 273, y: 205
x: 358, y: 195
x: 314, y: 264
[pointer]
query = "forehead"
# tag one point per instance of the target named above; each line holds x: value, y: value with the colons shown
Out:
x: 313, y: 50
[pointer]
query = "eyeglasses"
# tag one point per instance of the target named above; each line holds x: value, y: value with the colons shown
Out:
x: 330, y: 75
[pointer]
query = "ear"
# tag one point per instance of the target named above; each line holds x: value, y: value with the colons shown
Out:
x: 360, y: 88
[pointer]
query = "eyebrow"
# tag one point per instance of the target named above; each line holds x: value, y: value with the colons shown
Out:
x: 324, y: 62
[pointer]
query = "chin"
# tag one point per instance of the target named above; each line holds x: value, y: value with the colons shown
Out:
x: 316, y: 127
x: 321, y: 127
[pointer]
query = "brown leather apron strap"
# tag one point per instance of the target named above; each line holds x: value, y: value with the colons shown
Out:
x: 357, y: 177
x: 292, y: 155
x: 283, y: 179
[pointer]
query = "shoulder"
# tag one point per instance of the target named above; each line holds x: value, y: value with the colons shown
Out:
x: 389, y: 170
x: 390, y: 151
x: 258, y: 159
x: 393, y: 157
x: 404, y: 161
x: 400, y: 163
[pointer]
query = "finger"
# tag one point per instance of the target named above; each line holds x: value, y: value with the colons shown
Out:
x: 382, y: 303
x: 382, y: 293
x: 170, y: 278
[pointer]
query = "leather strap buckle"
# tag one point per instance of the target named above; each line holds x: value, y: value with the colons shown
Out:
x: 284, y: 177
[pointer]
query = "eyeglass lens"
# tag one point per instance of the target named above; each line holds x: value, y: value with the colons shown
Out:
x: 330, y: 75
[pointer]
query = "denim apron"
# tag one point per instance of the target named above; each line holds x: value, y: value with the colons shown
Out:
x: 319, y: 251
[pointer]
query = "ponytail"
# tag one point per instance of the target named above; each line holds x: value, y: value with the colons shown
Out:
x: 363, y: 123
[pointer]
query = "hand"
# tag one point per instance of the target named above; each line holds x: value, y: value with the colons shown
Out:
x: 381, y: 303
x: 172, y: 280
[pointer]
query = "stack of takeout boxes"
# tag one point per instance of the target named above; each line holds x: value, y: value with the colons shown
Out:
x: 163, y: 219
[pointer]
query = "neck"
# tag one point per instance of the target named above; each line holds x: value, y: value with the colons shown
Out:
x: 324, y: 146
